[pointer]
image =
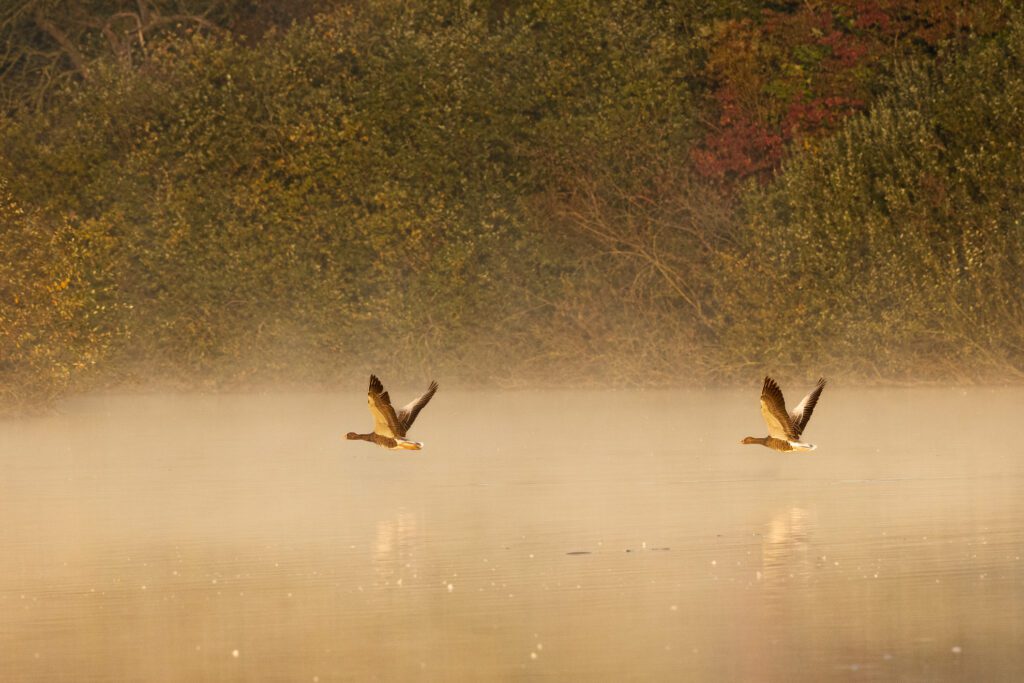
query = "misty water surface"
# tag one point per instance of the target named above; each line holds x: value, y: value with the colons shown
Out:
x: 557, y: 536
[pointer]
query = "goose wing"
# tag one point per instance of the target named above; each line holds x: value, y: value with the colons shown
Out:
x: 773, y: 409
x: 801, y: 415
x: 385, y: 422
x: 407, y: 415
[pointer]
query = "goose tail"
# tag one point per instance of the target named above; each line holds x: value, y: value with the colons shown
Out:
x: 800, y: 446
x: 406, y: 445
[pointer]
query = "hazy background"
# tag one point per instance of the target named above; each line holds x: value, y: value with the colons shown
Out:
x: 217, y: 193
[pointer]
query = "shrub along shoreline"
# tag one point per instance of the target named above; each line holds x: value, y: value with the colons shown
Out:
x: 537, y: 196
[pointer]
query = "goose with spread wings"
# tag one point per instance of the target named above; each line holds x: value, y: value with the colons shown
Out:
x: 785, y: 428
x: 389, y: 427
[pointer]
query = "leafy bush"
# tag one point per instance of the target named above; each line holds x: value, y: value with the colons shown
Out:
x: 897, y: 245
x: 58, y: 312
x: 790, y: 74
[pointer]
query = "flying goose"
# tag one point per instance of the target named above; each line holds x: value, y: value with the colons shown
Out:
x: 389, y: 428
x: 784, y: 429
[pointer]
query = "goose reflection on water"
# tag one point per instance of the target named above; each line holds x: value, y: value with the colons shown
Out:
x: 394, y: 557
x: 786, y: 555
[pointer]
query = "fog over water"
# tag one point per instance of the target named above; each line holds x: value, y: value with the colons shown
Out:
x: 538, y: 535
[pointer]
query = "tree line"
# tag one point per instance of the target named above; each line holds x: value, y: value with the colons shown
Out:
x: 224, y: 193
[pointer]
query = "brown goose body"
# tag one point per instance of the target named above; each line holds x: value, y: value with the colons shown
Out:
x: 389, y: 427
x: 388, y: 442
x: 774, y: 443
x: 784, y: 427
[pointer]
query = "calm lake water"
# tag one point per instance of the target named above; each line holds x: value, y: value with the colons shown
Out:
x: 538, y: 536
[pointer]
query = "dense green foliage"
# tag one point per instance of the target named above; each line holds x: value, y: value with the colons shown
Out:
x: 899, y: 241
x: 518, y: 191
x: 58, y: 312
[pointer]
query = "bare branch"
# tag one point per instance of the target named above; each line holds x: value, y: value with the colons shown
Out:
x: 61, y: 38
